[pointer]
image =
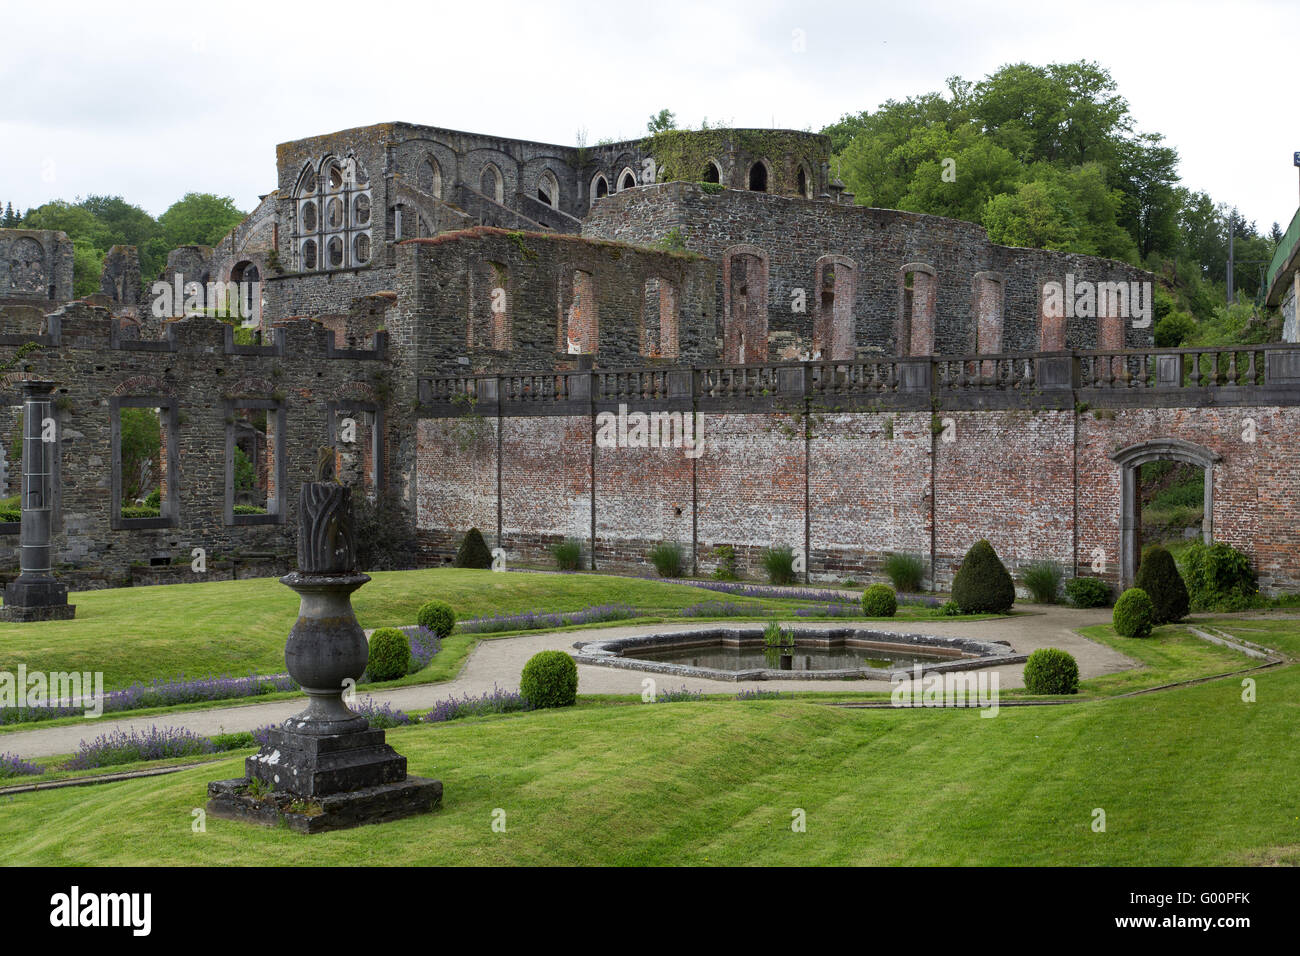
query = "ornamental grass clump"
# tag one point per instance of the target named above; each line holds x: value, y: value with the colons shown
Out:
x: 550, y: 679
x: 1043, y: 579
x: 906, y: 571
x: 779, y: 564
x: 568, y: 554
x: 668, y: 559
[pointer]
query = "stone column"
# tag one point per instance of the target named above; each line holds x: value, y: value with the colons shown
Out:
x: 35, y: 595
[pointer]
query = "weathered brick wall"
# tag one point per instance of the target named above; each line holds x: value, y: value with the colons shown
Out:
x: 545, y: 483
x: 795, y: 233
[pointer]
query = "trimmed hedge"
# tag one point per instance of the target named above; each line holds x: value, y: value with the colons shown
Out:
x: 879, y: 600
x: 983, y: 585
x: 473, y: 552
x: 437, y: 617
x: 1134, y: 614
x: 1159, y: 577
x: 549, y: 679
x: 1088, y: 592
x: 390, y: 654
x: 1051, y: 671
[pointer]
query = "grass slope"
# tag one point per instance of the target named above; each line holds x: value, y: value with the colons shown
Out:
x: 1185, y: 777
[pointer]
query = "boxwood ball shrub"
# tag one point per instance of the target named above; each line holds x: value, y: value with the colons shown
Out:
x: 879, y: 601
x: 390, y: 654
x: 1134, y: 614
x: 473, y: 552
x: 1159, y: 577
x: 1051, y: 671
x: 550, y: 679
x: 437, y: 617
x: 983, y: 585
x: 1087, y: 592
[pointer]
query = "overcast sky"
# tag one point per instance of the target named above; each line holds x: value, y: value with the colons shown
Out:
x: 151, y: 101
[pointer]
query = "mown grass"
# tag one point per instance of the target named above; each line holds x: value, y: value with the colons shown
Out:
x: 1185, y: 777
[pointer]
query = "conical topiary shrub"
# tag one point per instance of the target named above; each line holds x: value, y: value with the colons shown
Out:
x: 473, y: 552
x: 1158, y: 576
x: 983, y: 585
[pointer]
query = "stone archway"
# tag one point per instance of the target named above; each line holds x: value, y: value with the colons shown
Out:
x: 1130, y: 460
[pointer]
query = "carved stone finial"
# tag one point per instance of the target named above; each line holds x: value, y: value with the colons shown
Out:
x: 326, y: 543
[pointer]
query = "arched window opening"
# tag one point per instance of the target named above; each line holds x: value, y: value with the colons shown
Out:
x: 745, y: 276
x: 802, y: 183
x: 600, y: 187
x: 429, y: 177
x: 914, y: 330
x: 758, y: 177
x: 548, y: 189
x: 834, y: 333
x: 491, y: 183
x: 712, y: 174
x: 627, y: 181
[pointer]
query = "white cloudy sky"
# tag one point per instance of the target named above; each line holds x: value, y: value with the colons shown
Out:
x: 151, y: 100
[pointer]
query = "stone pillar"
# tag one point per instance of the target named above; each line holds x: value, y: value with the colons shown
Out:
x: 35, y: 595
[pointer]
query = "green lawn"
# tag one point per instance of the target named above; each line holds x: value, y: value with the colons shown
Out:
x: 239, y: 627
x: 1189, y: 776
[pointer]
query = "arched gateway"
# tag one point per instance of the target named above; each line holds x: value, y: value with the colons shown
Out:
x: 1130, y: 461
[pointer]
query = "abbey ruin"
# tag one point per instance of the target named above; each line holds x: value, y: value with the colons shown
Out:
x: 453, y: 312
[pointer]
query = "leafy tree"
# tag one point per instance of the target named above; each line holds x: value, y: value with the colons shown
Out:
x: 663, y: 120
x: 199, y: 219
x: 141, y: 444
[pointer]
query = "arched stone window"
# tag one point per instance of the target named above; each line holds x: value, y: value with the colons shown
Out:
x: 626, y: 179
x: 548, y: 189
x: 744, y: 291
x: 758, y: 177
x: 489, y: 324
x: 491, y: 183
x: 1130, y: 461
x: 712, y: 173
x: 599, y: 187
x: 429, y: 177
x: 801, y: 182
x: 309, y: 254
x: 834, y: 330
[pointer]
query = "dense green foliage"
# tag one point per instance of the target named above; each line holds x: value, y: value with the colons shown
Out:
x: 1087, y: 592
x: 390, y: 654
x: 1051, y: 156
x: 473, y: 551
x: 879, y: 600
x: 549, y: 679
x: 1051, y: 671
x: 437, y: 616
x: 907, y: 571
x: 141, y: 446
x: 97, y: 223
x: 1219, y: 578
x: 668, y: 559
x: 1158, y: 576
x: 982, y: 583
x: 1134, y: 614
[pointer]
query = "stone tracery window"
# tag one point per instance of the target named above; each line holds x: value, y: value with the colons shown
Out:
x: 333, y: 221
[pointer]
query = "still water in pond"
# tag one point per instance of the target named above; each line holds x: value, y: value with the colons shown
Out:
x: 755, y: 656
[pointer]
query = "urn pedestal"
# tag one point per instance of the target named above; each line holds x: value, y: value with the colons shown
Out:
x: 324, y: 768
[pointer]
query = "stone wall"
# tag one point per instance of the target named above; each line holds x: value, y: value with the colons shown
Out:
x: 794, y: 238
x: 35, y: 266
